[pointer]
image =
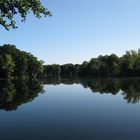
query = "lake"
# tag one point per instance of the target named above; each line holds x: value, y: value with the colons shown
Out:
x: 70, y: 109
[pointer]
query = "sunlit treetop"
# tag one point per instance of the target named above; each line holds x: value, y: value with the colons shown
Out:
x: 10, y: 8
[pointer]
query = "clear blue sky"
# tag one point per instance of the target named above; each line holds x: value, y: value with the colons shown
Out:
x: 78, y: 30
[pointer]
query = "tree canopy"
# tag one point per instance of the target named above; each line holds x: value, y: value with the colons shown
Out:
x: 16, y: 63
x: 10, y: 8
x: 104, y: 66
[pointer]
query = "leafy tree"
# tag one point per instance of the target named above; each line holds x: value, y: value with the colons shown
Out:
x: 10, y: 8
x: 14, y: 62
x: 103, y: 66
x: 21, y: 64
x: 7, y: 66
x: 55, y: 70
x: 83, y: 69
x: 35, y: 67
x: 67, y: 70
x: 94, y: 67
x: 128, y: 62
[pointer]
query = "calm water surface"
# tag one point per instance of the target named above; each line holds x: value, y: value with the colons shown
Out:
x: 70, y: 109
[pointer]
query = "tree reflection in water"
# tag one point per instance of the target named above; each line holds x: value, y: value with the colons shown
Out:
x: 13, y: 93
x: 128, y: 87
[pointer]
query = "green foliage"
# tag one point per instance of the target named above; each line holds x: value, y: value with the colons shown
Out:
x: 51, y: 70
x: 16, y: 63
x: 68, y: 70
x: 10, y: 8
x: 103, y: 66
x: 128, y: 63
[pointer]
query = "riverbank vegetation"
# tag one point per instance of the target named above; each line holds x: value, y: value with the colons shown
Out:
x: 104, y: 66
x: 15, y: 63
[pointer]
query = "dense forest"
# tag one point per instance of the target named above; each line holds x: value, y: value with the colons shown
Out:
x: 16, y: 63
x: 104, y: 66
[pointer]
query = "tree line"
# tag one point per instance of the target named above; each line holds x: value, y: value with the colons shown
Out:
x: 16, y: 63
x: 127, y: 65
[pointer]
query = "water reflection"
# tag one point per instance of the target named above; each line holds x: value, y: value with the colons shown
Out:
x: 129, y: 88
x: 67, y: 112
x: 13, y: 93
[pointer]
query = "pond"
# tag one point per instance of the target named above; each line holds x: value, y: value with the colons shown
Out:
x: 70, y: 109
